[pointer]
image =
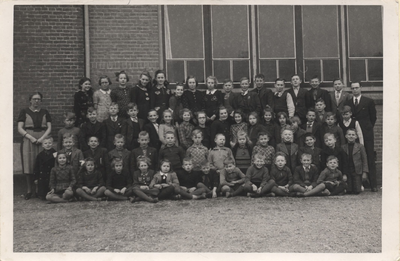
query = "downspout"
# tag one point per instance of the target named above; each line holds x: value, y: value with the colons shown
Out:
x: 160, y: 39
x: 87, y: 40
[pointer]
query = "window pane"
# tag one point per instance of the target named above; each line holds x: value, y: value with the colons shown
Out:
x: 365, y: 31
x: 312, y: 68
x: 276, y: 31
x: 286, y: 69
x: 268, y: 68
x: 240, y: 69
x: 222, y: 70
x: 331, y: 70
x: 184, y: 31
x: 196, y: 68
x: 357, y: 70
x: 375, y: 70
x: 320, y: 31
x: 230, y: 31
x: 175, y: 71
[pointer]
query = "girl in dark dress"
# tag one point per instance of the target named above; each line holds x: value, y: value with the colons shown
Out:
x: 83, y: 99
x: 159, y: 94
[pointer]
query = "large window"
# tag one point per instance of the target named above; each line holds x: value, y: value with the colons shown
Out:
x: 278, y: 41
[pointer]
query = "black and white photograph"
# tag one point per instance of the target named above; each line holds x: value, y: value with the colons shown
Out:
x: 200, y: 130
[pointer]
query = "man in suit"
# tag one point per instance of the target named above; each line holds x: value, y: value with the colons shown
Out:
x: 316, y: 93
x: 338, y: 97
x: 265, y: 94
x: 364, y: 112
x: 299, y: 97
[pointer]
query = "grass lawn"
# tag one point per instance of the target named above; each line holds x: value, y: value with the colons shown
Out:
x: 337, y: 224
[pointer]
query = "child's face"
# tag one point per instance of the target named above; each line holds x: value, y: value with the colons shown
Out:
x: 210, y: 84
x: 165, y: 167
x: 201, y: 118
x: 351, y: 136
x: 187, y: 165
x: 152, y: 116
x: 230, y: 167
x: 143, y: 140
x: 259, y: 82
x: 310, y: 116
x: 267, y: 116
x: 68, y: 143
x: 90, y: 166
x: 118, y: 167
x: 197, y: 138
x: 86, y: 86
x: 238, y: 118
x: 346, y: 116
x: 167, y: 117
x: 279, y: 86
x: 192, y: 84
x: 69, y: 123
x: 220, y: 140
x: 47, y: 144
x: 306, y: 161
x: 330, y: 120
x: 143, y: 166
x: 310, y: 141
x: 205, y: 169
x: 330, y: 141
x: 93, y: 142
x: 186, y: 116
x: 170, y: 139
x: 320, y: 106
x: 113, y: 110
x: 92, y: 116
x: 280, y: 162
x: 287, y: 136
x: 259, y: 163
x: 228, y: 87
x: 252, y: 120
x: 244, y: 85
x: 179, y: 90
x: 314, y: 83
x: 242, y: 140
x: 332, y: 164
x: 282, y: 120
x: 296, y: 81
x: 160, y: 79
x: 104, y: 84
x: 223, y: 115
x: 119, y: 143
x: 295, y: 125
x: 133, y: 112
x: 144, y: 80
x: 263, y: 139
x: 122, y: 79
x: 338, y: 85
x: 62, y: 159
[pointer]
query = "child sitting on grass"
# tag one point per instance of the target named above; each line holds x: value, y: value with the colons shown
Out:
x: 231, y: 179
x: 166, y: 181
x: 62, y: 180
x: 142, y: 179
x: 217, y: 155
x: 332, y: 177
x: 44, y: 163
x: 257, y: 177
x: 197, y: 152
x: 90, y: 184
x: 264, y: 149
x: 119, y: 182
x: 209, y: 180
x: 188, y: 180
x: 281, y: 177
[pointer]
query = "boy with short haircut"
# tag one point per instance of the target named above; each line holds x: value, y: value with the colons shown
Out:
x: 92, y: 128
x: 329, y: 126
x: 332, y: 177
x: 130, y: 127
x: 264, y: 149
x: 99, y: 155
x: 320, y: 111
x: 281, y: 177
x: 312, y: 126
x: 201, y: 120
x: 357, y: 162
x: 120, y: 151
x: 246, y: 101
x: 338, y: 97
x: 175, y: 154
x: 257, y: 176
x: 231, y: 179
x: 218, y: 154
x: 299, y: 97
x: 288, y: 148
x: 90, y: 183
x: 348, y: 122
x: 282, y: 101
x: 332, y: 150
x: 44, y: 163
x: 152, y: 129
x: 112, y: 125
x: 188, y: 180
x: 316, y: 93
x: 264, y: 93
x: 143, y: 150
x: 74, y: 156
x: 69, y: 121
x: 197, y: 152
x: 309, y: 148
x: 119, y: 182
x: 209, y: 180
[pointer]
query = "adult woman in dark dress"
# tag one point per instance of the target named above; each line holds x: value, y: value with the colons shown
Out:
x: 83, y: 99
x: 34, y: 124
x: 140, y: 95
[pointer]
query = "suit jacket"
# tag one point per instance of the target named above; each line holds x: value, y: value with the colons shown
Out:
x: 153, y: 135
x: 111, y: 129
x: 293, y: 153
x: 321, y: 93
x: 365, y: 114
x: 299, y: 176
x: 337, y: 108
x: 172, y: 179
x: 248, y: 103
x: 266, y: 97
x: 359, y: 158
x: 43, y: 164
x: 299, y: 102
x: 75, y: 160
x: 131, y: 131
x: 229, y: 101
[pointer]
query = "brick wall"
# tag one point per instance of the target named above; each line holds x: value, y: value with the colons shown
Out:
x: 48, y: 57
x: 123, y: 38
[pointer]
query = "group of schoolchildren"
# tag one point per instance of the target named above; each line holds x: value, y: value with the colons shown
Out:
x: 151, y: 144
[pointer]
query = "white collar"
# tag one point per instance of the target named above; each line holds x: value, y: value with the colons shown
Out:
x: 245, y: 93
x: 105, y: 92
x: 212, y: 92
x: 358, y: 98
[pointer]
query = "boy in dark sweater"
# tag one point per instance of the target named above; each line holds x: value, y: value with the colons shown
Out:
x: 175, y: 154
x: 188, y: 180
x: 44, y: 163
x: 257, y: 177
x: 209, y: 180
x: 119, y: 182
x: 92, y: 128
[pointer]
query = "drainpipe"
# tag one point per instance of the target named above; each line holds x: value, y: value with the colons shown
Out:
x: 87, y: 40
